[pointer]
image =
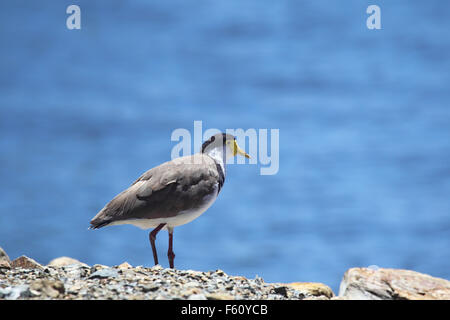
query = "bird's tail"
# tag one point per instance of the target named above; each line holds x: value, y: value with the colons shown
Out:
x: 98, y: 223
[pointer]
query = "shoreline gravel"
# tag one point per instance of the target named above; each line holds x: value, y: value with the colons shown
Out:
x: 68, y: 279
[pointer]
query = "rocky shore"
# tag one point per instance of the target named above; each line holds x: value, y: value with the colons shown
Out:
x: 66, y: 278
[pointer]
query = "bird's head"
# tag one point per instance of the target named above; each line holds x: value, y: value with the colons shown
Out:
x: 223, y: 142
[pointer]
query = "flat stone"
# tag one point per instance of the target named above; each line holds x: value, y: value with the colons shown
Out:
x: 64, y: 261
x: 315, y: 289
x: 104, y: 273
x: 392, y: 284
x: 26, y: 263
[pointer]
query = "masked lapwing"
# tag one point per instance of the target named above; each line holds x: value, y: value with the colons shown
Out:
x: 173, y: 193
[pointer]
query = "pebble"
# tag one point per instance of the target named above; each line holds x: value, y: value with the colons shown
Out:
x: 104, y: 273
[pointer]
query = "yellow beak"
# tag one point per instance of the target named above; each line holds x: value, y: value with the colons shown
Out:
x: 237, y: 150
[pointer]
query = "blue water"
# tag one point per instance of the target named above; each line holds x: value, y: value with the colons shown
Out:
x: 364, y: 120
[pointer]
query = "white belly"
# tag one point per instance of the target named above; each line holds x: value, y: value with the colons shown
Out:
x: 182, y: 218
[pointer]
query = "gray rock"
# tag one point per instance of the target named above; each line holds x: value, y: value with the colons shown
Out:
x: 104, y: 273
x: 392, y: 284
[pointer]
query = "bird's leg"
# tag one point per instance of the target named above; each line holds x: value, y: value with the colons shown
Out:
x: 152, y: 237
x: 170, y: 252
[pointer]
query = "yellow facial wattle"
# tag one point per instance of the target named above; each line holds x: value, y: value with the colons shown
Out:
x: 237, y: 150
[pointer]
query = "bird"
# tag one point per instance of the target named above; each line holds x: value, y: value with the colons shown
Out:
x: 173, y: 193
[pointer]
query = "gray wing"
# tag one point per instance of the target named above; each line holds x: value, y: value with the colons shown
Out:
x: 164, y: 191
